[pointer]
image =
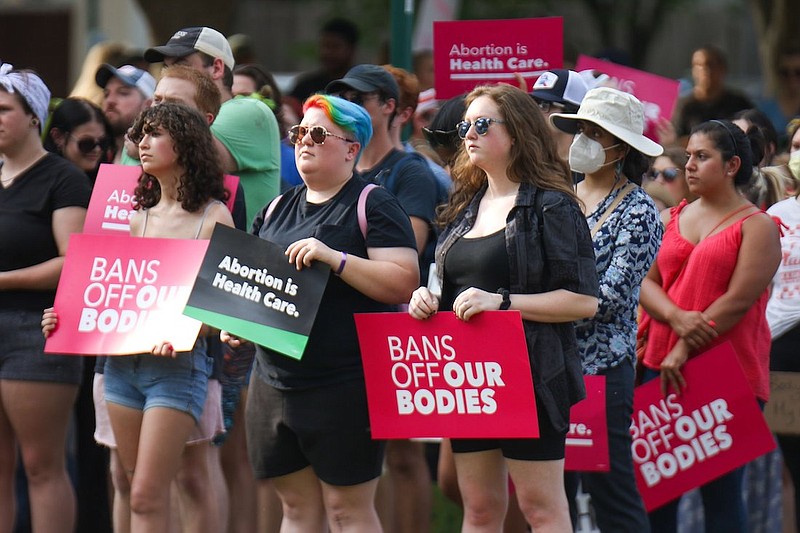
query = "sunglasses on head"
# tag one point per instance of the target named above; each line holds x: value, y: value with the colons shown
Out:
x: 86, y: 145
x: 318, y: 134
x: 669, y: 173
x: 481, y: 126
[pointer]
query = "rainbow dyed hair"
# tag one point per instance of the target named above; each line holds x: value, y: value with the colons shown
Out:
x: 346, y: 115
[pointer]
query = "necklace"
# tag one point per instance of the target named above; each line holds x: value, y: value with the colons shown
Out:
x: 617, y: 179
x: 8, y: 181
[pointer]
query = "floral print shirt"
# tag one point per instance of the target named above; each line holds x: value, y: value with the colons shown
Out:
x: 625, y: 247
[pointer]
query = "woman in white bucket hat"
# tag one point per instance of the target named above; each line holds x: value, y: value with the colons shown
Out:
x: 613, y: 154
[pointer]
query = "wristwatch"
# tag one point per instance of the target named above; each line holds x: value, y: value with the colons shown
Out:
x: 506, y: 303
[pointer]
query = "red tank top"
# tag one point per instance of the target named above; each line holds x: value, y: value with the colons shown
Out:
x: 695, y: 285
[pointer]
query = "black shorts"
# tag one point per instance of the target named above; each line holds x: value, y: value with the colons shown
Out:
x: 324, y: 427
x: 548, y: 447
x: 22, y: 354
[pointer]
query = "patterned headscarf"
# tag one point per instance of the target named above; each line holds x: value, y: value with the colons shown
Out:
x: 30, y: 87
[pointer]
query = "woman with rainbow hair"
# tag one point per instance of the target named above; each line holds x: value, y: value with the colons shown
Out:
x: 307, y: 421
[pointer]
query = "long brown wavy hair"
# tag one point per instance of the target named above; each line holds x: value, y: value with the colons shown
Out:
x: 202, y: 179
x: 533, y: 158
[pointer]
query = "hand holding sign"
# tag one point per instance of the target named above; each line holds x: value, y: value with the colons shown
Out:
x: 423, y: 304
x: 303, y: 252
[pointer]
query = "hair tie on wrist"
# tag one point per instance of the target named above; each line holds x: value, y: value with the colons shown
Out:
x: 341, y: 265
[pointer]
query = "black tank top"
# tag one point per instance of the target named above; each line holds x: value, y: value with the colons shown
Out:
x: 481, y: 262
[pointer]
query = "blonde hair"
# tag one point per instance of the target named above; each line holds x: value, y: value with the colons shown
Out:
x: 111, y: 52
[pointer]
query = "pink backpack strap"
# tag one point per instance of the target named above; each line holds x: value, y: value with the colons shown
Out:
x: 271, y: 207
x: 361, y: 208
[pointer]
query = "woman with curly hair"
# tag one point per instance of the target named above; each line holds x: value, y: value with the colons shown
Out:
x: 515, y: 238
x: 156, y: 399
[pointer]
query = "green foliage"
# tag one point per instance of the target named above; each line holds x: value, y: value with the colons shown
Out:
x: 447, y: 516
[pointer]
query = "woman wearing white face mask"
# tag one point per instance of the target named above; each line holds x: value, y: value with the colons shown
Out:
x: 610, y: 150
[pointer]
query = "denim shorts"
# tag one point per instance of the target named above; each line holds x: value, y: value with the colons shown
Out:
x: 210, y: 423
x: 145, y: 381
x: 22, y: 354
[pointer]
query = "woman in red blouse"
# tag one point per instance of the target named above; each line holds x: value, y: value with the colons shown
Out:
x: 709, y: 285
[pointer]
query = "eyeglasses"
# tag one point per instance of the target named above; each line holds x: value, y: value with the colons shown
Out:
x: 481, y: 126
x: 357, y: 97
x: 547, y: 107
x: 669, y: 174
x: 439, y: 137
x: 86, y: 145
x: 318, y: 134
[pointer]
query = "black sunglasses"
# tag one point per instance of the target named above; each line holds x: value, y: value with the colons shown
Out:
x: 357, y: 97
x: 318, y: 134
x: 481, y: 126
x: 789, y: 72
x: 669, y: 174
x: 86, y: 145
x: 440, y: 137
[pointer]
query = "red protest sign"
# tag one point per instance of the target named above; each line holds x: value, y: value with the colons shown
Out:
x: 111, y: 205
x: 122, y: 295
x: 587, y: 439
x: 683, y: 442
x: 657, y: 94
x: 443, y: 377
x: 471, y: 52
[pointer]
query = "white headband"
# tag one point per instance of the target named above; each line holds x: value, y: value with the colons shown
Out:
x: 30, y: 87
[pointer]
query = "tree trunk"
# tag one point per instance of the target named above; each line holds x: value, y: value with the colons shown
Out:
x: 775, y: 22
x: 166, y: 18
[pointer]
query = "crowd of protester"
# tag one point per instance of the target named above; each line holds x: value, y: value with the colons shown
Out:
x: 646, y: 252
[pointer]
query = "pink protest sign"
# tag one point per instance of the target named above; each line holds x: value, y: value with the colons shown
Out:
x: 472, y: 52
x: 682, y: 442
x: 657, y: 94
x: 587, y: 439
x: 442, y: 377
x: 111, y: 207
x: 122, y: 295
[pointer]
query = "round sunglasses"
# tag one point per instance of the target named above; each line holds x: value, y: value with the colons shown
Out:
x: 481, y: 126
x: 669, y: 174
x: 318, y: 134
x: 86, y: 145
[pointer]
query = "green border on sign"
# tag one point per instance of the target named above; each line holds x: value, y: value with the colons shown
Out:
x: 285, y: 342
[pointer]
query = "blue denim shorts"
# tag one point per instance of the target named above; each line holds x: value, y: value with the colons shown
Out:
x: 22, y: 355
x: 145, y: 381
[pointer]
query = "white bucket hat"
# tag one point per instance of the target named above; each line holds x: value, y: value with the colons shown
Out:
x: 619, y: 113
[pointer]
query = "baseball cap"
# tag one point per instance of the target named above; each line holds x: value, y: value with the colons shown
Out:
x: 190, y: 40
x: 427, y: 101
x: 129, y: 75
x: 366, y: 78
x: 565, y: 87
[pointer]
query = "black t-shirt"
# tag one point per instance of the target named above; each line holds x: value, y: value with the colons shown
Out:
x: 332, y: 354
x: 690, y: 112
x: 414, y: 186
x: 480, y: 262
x: 26, y: 218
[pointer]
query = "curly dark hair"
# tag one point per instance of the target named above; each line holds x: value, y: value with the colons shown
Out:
x: 533, y: 159
x: 202, y: 179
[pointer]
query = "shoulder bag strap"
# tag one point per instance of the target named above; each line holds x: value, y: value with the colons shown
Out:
x: 621, y: 196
